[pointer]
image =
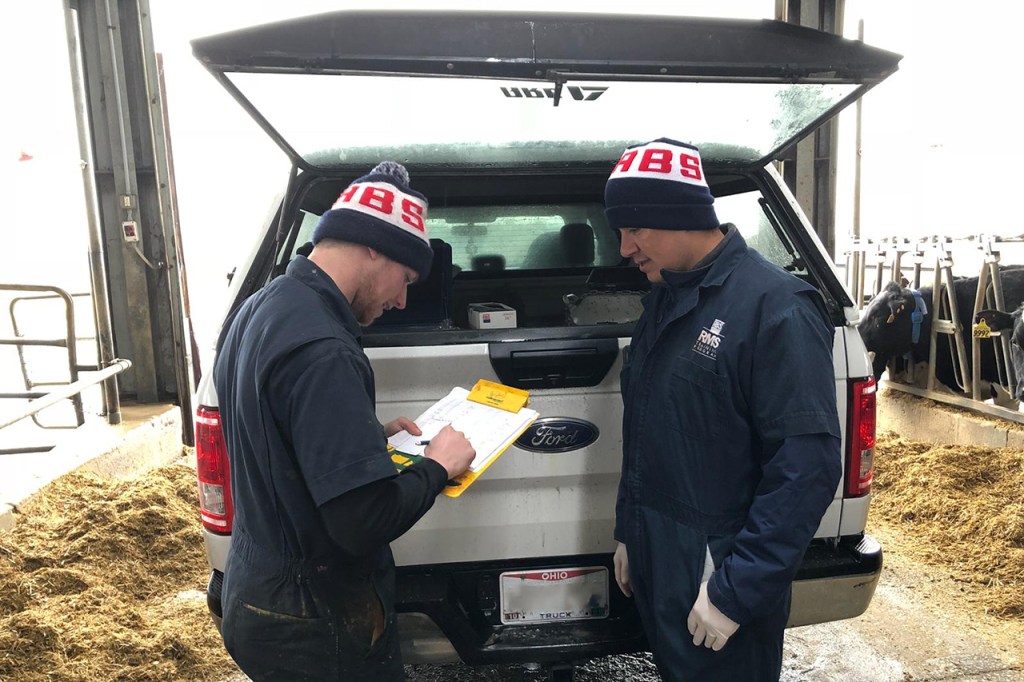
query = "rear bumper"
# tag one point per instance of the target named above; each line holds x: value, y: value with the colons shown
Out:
x: 449, y: 612
x: 836, y: 582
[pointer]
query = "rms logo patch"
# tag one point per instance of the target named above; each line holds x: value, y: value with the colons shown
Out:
x: 709, y: 340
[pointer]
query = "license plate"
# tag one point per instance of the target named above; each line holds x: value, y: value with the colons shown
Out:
x: 554, y: 594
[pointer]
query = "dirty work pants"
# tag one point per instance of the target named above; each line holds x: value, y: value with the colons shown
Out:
x: 665, y: 575
x: 292, y: 621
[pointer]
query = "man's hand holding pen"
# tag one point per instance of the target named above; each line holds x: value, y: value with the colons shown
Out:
x: 450, y: 449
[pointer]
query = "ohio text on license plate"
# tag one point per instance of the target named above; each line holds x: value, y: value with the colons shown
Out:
x: 554, y: 594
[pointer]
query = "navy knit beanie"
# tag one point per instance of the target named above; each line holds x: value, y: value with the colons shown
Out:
x: 659, y: 185
x: 381, y: 211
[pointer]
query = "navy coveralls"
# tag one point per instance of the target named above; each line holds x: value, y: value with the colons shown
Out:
x: 731, y: 445
x: 298, y: 406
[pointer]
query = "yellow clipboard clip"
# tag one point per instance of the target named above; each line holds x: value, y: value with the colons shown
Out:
x: 498, y: 395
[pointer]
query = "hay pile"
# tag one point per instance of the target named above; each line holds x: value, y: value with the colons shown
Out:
x: 104, y: 580
x: 961, y: 508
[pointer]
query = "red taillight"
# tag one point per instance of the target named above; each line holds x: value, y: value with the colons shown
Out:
x: 860, y: 461
x: 212, y: 469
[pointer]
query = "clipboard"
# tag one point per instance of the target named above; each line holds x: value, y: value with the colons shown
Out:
x: 491, y: 415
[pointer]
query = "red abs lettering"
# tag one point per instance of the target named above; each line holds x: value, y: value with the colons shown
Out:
x: 378, y: 198
x: 347, y: 195
x: 661, y: 161
x: 625, y: 162
x: 690, y: 166
x: 412, y: 214
x: 656, y: 161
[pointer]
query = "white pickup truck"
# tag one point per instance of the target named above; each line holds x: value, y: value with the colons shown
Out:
x: 510, y: 124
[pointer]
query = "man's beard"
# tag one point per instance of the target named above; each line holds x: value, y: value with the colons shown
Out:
x: 366, y: 314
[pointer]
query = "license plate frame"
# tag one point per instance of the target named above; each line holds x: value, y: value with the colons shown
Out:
x: 553, y: 595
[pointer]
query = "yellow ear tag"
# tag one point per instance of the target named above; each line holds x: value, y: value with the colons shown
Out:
x: 982, y: 330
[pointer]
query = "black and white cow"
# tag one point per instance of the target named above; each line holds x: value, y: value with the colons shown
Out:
x: 1001, y: 322
x: 891, y: 330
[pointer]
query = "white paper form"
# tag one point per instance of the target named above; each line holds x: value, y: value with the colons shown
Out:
x: 489, y: 429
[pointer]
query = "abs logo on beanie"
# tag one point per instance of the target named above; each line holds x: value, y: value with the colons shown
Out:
x: 660, y: 185
x: 380, y: 210
x: 384, y: 201
x: 660, y: 161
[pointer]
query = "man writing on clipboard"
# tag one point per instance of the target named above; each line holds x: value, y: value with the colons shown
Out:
x: 309, y: 583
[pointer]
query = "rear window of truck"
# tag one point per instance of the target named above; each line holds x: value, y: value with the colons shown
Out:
x: 536, y: 257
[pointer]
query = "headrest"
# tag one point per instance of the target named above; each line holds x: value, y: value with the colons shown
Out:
x: 577, y: 243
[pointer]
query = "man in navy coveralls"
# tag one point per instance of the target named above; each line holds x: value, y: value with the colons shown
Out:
x: 731, y: 442
x: 309, y: 583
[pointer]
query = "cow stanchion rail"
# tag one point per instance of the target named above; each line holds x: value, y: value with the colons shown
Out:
x: 898, y: 326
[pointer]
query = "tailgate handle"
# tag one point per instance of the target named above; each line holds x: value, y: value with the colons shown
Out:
x: 553, y: 364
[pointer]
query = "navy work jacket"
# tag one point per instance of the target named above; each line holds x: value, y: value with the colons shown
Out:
x: 725, y: 364
x: 297, y: 401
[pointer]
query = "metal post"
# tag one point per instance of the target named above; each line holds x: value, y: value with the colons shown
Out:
x: 175, y: 271
x: 858, y: 150
x: 97, y: 258
x: 933, y: 336
x: 950, y: 327
x: 897, y: 263
x: 1003, y: 358
x: 979, y: 301
x: 1004, y: 364
x: 879, y: 269
x: 112, y: 48
x: 853, y: 275
x: 863, y: 273
x: 918, y: 258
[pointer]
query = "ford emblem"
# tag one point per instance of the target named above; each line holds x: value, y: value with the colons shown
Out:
x: 558, y: 434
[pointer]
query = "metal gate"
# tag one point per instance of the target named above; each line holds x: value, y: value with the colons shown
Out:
x: 62, y: 390
x: 871, y: 263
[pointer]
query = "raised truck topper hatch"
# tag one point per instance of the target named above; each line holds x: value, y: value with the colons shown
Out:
x: 782, y: 80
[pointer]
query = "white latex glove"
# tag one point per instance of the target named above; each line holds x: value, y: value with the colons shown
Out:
x: 621, y: 563
x: 707, y: 624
